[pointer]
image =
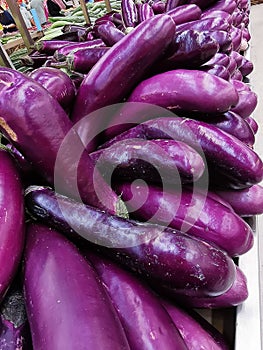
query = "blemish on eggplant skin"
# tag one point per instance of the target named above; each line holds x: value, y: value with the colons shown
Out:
x: 8, y: 130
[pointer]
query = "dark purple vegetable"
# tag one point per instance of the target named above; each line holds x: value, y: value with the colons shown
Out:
x: 220, y: 58
x: 189, y: 48
x: 237, y: 57
x: 83, y: 60
x: 187, y: 90
x: 108, y: 17
x: 233, y: 124
x: 172, y: 4
x: 185, y: 13
x: 217, y: 13
x: 203, y: 4
x: 145, y: 11
x: 166, y: 161
x: 108, y: 33
x: 146, y: 323
x: 14, y: 328
x: 224, y: 5
x: 222, y: 38
x: 81, y: 30
x: 189, y: 211
x: 232, y: 66
x: 238, y: 17
x: 252, y: 123
x: 129, y: 13
x: 236, y: 37
x: 224, y: 153
x: 246, y: 104
x: 38, y: 130
x: 57, y: 83
x: 196, y: 332
x: 246, y: 66
x: 240, y: 85
x: 11, y: 220
x: 216, y: 69
x: 246, y: 202
x: 158, y: 7
x: 161, y: 255
x: 234, y: 296
x: 35, y: 61
x: 237, y: 75
x: 130, y: 57
x: 50, y: 46
x: 204, y: 24
x: 66, y: 304
x: 70, y: 36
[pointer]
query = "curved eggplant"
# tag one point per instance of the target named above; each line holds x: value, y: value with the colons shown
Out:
x: 185, y: 13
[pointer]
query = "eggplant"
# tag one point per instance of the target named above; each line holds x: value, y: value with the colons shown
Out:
x: 217, y: 13
x: 220, y: 58
x: 247, y: 103
x: 235, y: 296
x: 246, y: 202
x: 225, y: 154
x: 236, y: 37
x: 203, y: 4
x: 108, y: 33
x: 57, y: 83
x: 34, y: 61
x: 222, y: 38
x: 188, y: 211
x: 130, y: 57
x: 164, y: 161
x: 11, y: 221
x: 129, y: 13
x: 158, y: 7
x: 160, y: 255
x: 64, y: 297
x: 185, y: 13
x: 216, y: 69
x: 197, y: 333
x: 237, y: 75
x: 81, y: 30
x: 172, y: 4
x: 252, y: 123
x: 187, y: 90
x: 145, y: 321
x: 43, y: 133
x: 204, y: 24
x: 246, y: 66
x: 224, y: 5
x: 60, y: 54
x: 50, y: 46
x: 240, y: 85
x: 145, y: 12
x: 237, y: 57
x: 232, y: 66
x: 14, y: 327
x: 83, y: 60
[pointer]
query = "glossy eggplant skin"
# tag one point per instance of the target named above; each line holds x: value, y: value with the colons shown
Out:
x: 225, y: 154
x: 104, y: 84
x: 37, y: 126
x: 140, y: 311
x: 64, y: 297
x: 189, y: 211
x: 154, y: 161
x: 160, y: 255
x: 108, y: 33
x: 196, y: 332
x: 185, y: 89
x: 57, y: 83
x: 185, y: 13
x: 129, y: 13
x: 11, y: 221
x: 50, y: 46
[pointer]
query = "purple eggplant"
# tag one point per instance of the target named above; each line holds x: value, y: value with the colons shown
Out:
x: 185, y: 13
x: 172, y: 4
x: 145, y: 321
x: 203, y: 4
x: 165, y: 161
x: 108, y: 33
x: 35, y: 60
x: 216, y: 69
x: 224, y: 153
x: 81, y: 30
x: 57, y: 83
x: 66, y: 304
x: 237, y: 57
x: 189, y: 211
x: 161, y: 255
x: 129, y: 13
x: 196, y: 332
x: 145, y: 11
x: 187, y: 90
x: 252, y: 123
x: 50, y: 46
x: 240, y: 85
x: 43, y: 133
x: 204, y: 24
x: 246, y: 66
x: 65, y: 50
x: 217, y: 13
x: 130, y: 57
x: 220, y: 58
x: 158, y: 7
x: 11, y: 220
x: 14, y: 327
x: 222, y: 38
x: 236, y: 37
x: 83, y: 60
x: 232, y: 66
x: 237, y: 75
x: 246, y: 202
x: 246, y: 104
x: 224, y: 5
x: 236, y: 295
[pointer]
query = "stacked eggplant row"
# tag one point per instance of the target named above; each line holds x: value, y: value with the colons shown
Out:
x: 127, y: 179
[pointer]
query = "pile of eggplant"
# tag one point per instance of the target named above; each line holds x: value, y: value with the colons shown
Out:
x: 127, y: 180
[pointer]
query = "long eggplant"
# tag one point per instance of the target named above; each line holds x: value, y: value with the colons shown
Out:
x: 43, y: 133
x: 205, y: 24
x: 129, y: 13
x: 252, y: 123
x: 57, y: 83
x: 187, y: 90
x: 247, y: 103
x: 130, y: 57
x: 157, y: 161
x: 224, y: 5
x: 216, y: 69
x: 217, y: 13
x: 160, y: 255
x: 108, y: 33
x: 172, y: 4
x: 220, y: 58
x: 66, y: 304
x: 189, y: 211
x: 11, y: 221
x: 185, y: 13
x: 50, y: 46
x: 145, y: 12
x: 197, y: 333
x: 146, y: 323
x: 222, y: 38
x: 225, y: 154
